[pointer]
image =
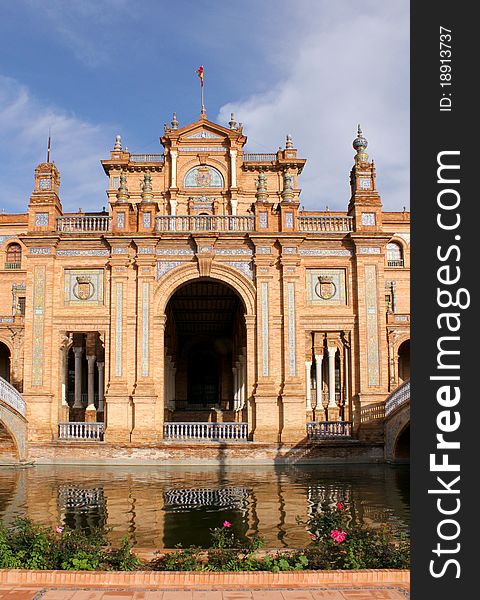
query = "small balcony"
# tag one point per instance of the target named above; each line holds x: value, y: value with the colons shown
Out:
x: 13, y: 266
x: 397, y: 264
x: 325, y: 223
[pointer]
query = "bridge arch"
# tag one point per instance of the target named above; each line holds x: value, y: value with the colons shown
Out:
x: 12, y: 417
x: 397, y: 425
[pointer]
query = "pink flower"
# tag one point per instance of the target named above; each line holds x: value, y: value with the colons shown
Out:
x: 338, y: 535
x: 59, y: 529
x: 340, y: 506
x: 313, y: 536
x: 227, y: 524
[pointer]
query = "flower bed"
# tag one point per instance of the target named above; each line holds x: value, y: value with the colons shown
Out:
x: 337, y: 543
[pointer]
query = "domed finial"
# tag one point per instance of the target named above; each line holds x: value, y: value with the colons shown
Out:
x: 147, y: 190
x: 232, y: 122
x: 359, y: 144
x: 289, y: 144
x: 174, y: 121
x: 118, y: 143
x: 122, y: 194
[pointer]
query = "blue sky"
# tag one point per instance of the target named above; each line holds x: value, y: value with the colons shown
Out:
x: 89, y: 69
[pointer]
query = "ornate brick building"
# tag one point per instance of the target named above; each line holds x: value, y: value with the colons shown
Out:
x: 205, y: 304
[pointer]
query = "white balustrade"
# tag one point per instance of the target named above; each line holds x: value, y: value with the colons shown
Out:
x: 325, y: 223
x: 205, y: 431
x: 81, y: 431
x: 205, y: 223
x: 83, y: 224
x: 147, y: 158
x: 259, y: 157
x: 12, y: 397
x: 397, y: 398
x: 325, y: 430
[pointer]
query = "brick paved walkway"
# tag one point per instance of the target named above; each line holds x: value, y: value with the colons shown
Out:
x: 30, y: 593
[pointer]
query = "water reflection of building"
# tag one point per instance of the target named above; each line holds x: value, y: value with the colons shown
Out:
x: 162, y: 507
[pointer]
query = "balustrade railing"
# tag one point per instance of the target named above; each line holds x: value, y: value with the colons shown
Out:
x: 205, y: 431
x: 12, y: 397
x: 398, y: 397
x: 147, y: 158
x: 325, y: 223
x: 83, y: 224
x: 327, y: 430
x: 13, y: 266
x: 81, y: 431
x: 259, y: 157
x: 395, y: 263
x: 205, y: 223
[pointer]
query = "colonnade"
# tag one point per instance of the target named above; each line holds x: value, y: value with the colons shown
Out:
x: 88, y: 343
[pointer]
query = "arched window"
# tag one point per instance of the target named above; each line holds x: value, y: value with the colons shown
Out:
x: 394, y: 255
x: 203, y: 177
x: 14, y: 257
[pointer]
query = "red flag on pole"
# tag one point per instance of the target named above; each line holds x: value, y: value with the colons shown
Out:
x: 200, y: 73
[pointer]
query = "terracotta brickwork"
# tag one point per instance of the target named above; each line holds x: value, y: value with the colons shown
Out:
x: 204, y: 295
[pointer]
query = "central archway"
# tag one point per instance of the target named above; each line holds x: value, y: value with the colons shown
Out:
x: 205, y: 353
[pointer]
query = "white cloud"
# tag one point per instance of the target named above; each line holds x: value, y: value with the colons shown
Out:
x: 77, y: 147
x: 341, y: 67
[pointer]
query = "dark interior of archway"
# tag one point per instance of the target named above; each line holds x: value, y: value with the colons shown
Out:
x: 402, y: 447
x: 202, y: 325
x: 4, y: 362
x: 404, y: 361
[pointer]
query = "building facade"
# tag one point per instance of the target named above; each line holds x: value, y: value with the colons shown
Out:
x: 205, y: 303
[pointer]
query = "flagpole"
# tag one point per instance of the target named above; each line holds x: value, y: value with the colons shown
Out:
x: 48, y: 147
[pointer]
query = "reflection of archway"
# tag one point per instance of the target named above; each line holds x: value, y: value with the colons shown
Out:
x: 205, y: 353
x: 404, y: 361
x: 4, y: 362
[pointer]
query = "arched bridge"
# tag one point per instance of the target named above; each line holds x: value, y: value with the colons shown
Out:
x: 397, y: 424
x: 13, y: 416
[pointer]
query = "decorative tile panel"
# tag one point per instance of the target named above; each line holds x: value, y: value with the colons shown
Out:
x: 326, y: 286
x: 289, y: 250
x: 369, y: 250
x: 39, y: 287
x: 404, y: 236
x: 175, y: 251
x: 120, y: 250
x: 289, y: 219
x: 291, y: 329
x: 373, y: 359
x: 84, y: 287
x: 265, y: 341
x: 118, y: 328
x: 145, y: 327
x: 203, y: 134
x: 263, y: 250
x: 166, y: 266
x: 3, y: 238
x: 245, y: 267
x: 41, y: 219
x: 263, y: 219
x: 40, y: 250
x: 324, y: 252
x: 147, y: 220
x: 87, y: 252
x: 120, y: 222
x: 146, y: 250
x: 368, y: 218
x: 233, y: 251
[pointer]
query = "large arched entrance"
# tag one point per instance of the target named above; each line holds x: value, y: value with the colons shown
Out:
x: 4, y: 362
x: 8, y: 449
x: 205, y: 354
x: 402, y: 445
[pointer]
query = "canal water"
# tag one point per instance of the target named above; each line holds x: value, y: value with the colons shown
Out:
x: 165, y: 506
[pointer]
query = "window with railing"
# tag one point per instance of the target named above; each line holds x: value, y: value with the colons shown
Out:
x: 14, y: 257
x: 394, y: 255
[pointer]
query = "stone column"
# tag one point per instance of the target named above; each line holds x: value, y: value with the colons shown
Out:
x: 233, y: 168
x: 318, y: 380
x: 173, y: 155
x: 235, y: 388
x: 331, y: 377
x: 308, y: 379
x: 101, y: 386
x: 91, y: 412
x: 346, y: 374
x: 78, y: 377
